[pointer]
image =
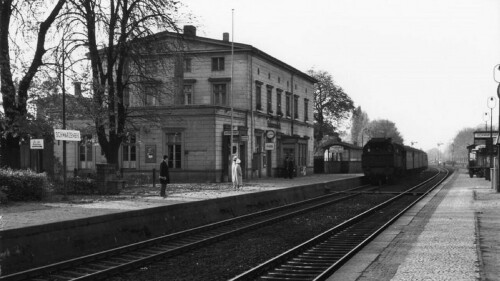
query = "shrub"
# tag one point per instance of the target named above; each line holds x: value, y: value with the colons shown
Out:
x: 23, y: 185
x: 79, y: 185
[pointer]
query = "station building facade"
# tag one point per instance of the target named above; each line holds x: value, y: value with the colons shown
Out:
x: 214, y: 91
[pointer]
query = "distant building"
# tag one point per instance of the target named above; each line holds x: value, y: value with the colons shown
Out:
x: 191, y: 103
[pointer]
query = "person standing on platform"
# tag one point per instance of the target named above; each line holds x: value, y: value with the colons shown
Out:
x: 236, y: 174
x: 164, y: 176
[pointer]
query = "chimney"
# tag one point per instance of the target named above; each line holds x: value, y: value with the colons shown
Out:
x: 225, y: 36
x: 190, y: 30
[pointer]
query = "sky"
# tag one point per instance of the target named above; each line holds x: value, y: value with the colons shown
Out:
x: 426, y: 65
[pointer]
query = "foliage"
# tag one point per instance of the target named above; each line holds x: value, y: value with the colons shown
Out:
x: 331, y: 104
x: 383, y: 128
x: 28, y: 17
x: 119, y: 36
x: 457, y: 149
x: 78, y: 185
x: 23, y: 185
x: 359, y: 126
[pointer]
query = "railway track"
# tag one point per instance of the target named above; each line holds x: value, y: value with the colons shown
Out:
x: 108, y: 263
x: 319, y: 257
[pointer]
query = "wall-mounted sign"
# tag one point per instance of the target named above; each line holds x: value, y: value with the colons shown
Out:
x: 269, y: 146
x: 36, y: 144
x: 228, y: 133
x: 67, y: 135
x: 150, y: 153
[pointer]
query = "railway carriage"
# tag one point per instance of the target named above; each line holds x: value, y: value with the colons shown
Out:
x: 384, y: 159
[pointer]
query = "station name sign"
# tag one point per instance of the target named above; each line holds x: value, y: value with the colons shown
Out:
x: 67, y: 135
x: 485, y: 135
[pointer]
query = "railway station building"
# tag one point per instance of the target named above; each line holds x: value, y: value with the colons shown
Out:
x: 201, y: 98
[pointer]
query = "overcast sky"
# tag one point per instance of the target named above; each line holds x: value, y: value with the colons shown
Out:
x: 426, y: 65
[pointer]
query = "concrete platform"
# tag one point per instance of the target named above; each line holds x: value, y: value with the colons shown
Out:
x: 35, y: 234
x: 453, y: 234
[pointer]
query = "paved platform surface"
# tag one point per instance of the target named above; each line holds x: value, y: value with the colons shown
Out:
x: 454, y: 234
x: 54, y: 209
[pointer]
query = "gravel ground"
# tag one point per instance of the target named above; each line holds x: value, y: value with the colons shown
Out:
x: 231, y: 257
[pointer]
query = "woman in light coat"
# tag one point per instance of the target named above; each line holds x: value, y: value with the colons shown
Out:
x: 236, y: 173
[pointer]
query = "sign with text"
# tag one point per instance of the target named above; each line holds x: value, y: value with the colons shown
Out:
x: 67, y: 135
x: 36, y: 144
x: 269, y: 146
x: 336, y: 149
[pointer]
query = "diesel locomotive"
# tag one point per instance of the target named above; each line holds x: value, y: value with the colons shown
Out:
x: 383, y: 159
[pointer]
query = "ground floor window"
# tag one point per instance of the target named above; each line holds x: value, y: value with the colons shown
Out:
x: 174, y: 150
x: 302, y: 157
x: 129, y: 152
x: 85, y: 152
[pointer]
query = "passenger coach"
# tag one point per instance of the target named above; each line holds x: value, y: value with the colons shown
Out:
x: 383, y: 159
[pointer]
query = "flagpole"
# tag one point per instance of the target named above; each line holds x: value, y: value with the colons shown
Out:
x: 232, y: 72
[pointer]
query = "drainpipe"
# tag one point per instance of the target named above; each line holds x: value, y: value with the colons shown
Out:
x: 252, y: 118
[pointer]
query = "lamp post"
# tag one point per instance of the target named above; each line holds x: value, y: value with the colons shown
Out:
x: 485, y: 119
x: 491, y: 102
x: 439, y: 144
x: 496, y: 77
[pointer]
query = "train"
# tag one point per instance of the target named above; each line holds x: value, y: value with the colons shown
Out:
x: 383, y: 160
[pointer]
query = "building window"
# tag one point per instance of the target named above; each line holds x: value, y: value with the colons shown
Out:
x: 151, y: 66
x: 129, y: 151
x: 306, y: 109
x: 218, y: 64
x: 288, y: 105
x: 278, y: 101
x: 150, y: 94
x: 269, y: 99
x: 258, y: 143
x: 220, y: 94
x: 188, y: 94
x: 174, y: 150
x: 258, y: 96
x: 187, y: 65
x: 295, y: 106
x: 85, y: 150
x: 302, y: 161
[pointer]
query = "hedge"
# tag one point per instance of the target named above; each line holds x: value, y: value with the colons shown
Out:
x: 23, y: 185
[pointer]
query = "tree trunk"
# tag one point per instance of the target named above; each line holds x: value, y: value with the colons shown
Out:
x: 10, y: 152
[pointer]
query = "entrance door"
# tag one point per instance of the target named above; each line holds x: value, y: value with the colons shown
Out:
x: 269, y: 167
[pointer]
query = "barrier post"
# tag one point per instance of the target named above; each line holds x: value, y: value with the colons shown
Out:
x: 154, y: 177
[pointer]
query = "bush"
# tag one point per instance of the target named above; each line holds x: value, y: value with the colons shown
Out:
x: 23, y: 185
x: 79, y: 185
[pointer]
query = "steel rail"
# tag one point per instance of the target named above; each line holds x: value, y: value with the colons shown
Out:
x: 319, y: 257
x: 92, y: 267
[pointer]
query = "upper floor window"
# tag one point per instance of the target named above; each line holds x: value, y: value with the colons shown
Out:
x: 279, y: 92
x: 188, y: 94
x: 218, y: 64
x: 187, y: 65
x: 269, y: 99
x: 306, y: 109
x: 288, y: 105
x: 150, y: 66
x: 220, y: 93
x: 295, y: 106
x: 150, y: 95
x: 258, y: 96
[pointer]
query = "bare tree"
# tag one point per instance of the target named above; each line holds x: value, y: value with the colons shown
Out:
x: 15, y: 95
x: 120, y: 35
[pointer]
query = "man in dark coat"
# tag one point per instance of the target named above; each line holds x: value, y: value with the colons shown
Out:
x: 164, y: 177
